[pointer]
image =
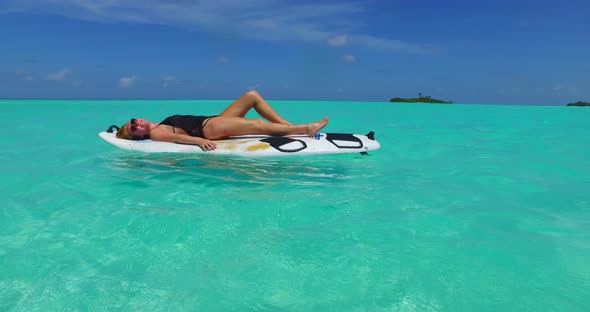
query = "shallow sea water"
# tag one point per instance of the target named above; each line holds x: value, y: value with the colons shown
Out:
x: 465, y: 207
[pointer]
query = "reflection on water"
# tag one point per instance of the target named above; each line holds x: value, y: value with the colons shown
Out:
x: 203, y: 184
x: 219, y: 170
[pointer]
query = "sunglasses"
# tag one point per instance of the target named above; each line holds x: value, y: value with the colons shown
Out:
x: 133, y: 123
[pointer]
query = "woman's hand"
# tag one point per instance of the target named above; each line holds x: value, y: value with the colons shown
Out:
x: 207, y: 145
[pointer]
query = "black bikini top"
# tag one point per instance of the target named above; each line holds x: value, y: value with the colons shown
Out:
x: 192, y: 125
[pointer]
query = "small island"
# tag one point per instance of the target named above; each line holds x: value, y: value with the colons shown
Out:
x: 419, y: 99
x: 579, y: 103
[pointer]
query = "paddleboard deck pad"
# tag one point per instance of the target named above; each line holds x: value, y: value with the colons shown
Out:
x: 260, y: 145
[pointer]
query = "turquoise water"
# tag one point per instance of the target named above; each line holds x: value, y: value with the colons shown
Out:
x: 465, y: 207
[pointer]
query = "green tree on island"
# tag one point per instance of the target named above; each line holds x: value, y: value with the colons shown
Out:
x: 419, y: 99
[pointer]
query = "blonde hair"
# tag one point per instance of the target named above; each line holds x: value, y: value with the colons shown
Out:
x: 122, y: 133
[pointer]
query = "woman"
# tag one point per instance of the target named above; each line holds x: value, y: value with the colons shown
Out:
x: 200, y: 130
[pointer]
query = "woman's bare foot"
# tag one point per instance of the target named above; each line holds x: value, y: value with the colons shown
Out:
x: 315, y: 127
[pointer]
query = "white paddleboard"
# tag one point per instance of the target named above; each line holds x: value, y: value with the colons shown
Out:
x: 260, y: 145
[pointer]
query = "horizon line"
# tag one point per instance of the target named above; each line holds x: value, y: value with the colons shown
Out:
x: 271, y: 99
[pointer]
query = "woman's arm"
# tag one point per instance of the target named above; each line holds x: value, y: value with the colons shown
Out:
x: 205, y: 144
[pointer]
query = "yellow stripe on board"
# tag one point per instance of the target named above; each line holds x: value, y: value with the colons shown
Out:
x: 261, y: 146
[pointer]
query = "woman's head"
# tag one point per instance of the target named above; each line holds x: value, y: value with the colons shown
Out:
x: 135, y: 129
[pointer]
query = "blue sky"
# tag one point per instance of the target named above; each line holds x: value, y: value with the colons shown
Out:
x: 498, y: 52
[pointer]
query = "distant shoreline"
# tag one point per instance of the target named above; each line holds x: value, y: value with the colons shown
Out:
x: 578, y: 103
x: 420, y: 99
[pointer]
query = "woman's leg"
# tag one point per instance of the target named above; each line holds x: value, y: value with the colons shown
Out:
x: 222, y: 126
x: 249, y: 100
